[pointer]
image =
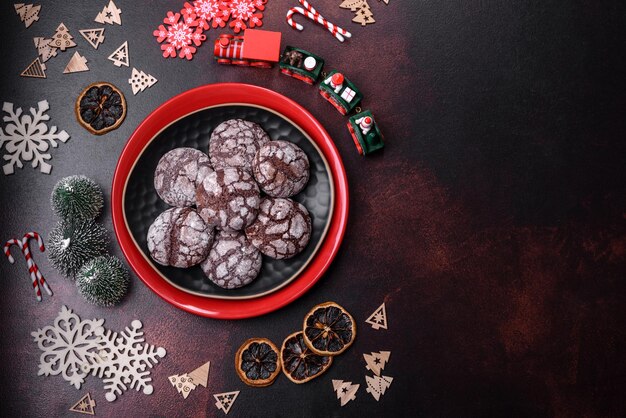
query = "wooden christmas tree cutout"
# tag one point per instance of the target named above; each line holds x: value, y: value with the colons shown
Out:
x: 77, y: 64
x: 110, y: 14
x: 377, y: 385
x: 225, y: 400
x: 44, y: 49
x: 28, y: 13
x: 379, y: 318
x: 187, y: 382
x: 363, y: 14
x: 85, y: 405
x: 139, y: 81
x: 62, y: 38
x: 346, y: 391
x: 183, y: 384
x: 376, y: 361
x: 200, y: 376
x: 120, y: 56
x: 94, y: 36
x: 35, y: 69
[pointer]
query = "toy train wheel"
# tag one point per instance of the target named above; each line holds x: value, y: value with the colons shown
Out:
x: 286, y: 72
x: 300, y: 77
x: 227, y: 36
x: 261, y: 64
x: 355, y: 139
x: 223, y: 61
x: 243, y: 63
x: 332, y: 101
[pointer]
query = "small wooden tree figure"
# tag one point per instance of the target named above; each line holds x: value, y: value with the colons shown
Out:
x: 76, y: 64
x: 35, y: 69
x: 183, y: 384
x: 44, y: 49
x: 139, y: 81
x: 378, y: 319
x: 110, y: 14
x: 353, y: 5
x: 28, y: 13
x: 225, y: 401
x: 85, y: 405
x: 376, y: 361
x: 62, y: 38
x: 364, y: 15
x: 346, y: 391
x: 120, y: 56
x: 377, y: 385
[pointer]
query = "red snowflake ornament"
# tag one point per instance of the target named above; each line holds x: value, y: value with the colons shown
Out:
x: 215, y: 12
x: 179, y: 35
x: 242, y: 11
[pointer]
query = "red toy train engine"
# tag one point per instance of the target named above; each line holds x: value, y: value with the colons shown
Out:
x: 255, y: 48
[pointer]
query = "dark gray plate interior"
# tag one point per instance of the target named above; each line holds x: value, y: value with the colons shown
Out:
x: 142, y: 204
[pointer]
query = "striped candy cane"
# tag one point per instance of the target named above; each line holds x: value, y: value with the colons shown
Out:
x: 33, y: 276
x: 314, y: 15
x: 7, y: 248
x: 32, y: 266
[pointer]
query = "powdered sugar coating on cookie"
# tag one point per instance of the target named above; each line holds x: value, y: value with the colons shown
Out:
x: 282, y: 228
x: 233, y: 261
x: 179, y: 237
x: 281, y: 168
x: 235, y: 142
x: 228, y: 198
x: 178, y: 173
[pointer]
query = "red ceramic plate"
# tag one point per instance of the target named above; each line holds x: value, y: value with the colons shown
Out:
x: 189, y: 103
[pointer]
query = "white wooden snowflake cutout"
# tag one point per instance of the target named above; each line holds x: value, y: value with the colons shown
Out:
x: 67, y: 345
x: 27, y: 138
x: 124, y: 360
x: 75, y: 348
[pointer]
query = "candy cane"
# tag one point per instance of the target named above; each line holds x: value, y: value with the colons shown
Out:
x: 314, y: 15
x: 7, y: 248
x: 29, y: 259
x: 33, y: 276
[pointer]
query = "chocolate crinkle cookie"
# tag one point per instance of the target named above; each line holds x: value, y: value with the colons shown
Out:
x: 234, y: 143
x: 281, y: 168
x: 180, y: 238
x: 232, y: 262
x: 228, y: 198
x: 282, y: 228
x: 178, y: 173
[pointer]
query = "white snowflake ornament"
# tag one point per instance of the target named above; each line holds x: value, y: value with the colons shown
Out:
x: 27, y: 138
x: 123, y: 361
x: 67, y: 345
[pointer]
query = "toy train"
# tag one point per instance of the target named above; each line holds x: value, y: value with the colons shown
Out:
x: 261, y: 49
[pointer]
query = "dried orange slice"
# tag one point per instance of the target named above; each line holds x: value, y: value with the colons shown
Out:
x: 299, y: 363
x: 257, y: 362
x: 329, y: 329
x: 100, y: 108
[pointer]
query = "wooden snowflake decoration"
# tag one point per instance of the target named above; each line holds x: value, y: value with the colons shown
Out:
x: 27, y: 137
x: 205, y: 12
x: 180, y: 34
x: 244, y: 14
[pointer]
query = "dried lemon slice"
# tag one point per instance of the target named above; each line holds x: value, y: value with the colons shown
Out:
x: 100, y: 108
x: 257, y: 362
x: 299, y: 363
x: 329, y: 329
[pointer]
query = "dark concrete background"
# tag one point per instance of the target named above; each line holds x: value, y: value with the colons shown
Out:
x: 493, y: 225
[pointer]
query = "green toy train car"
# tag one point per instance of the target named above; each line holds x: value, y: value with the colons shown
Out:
x: 365, y: 133
x: 340, y: 92
x: 301, y: 64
